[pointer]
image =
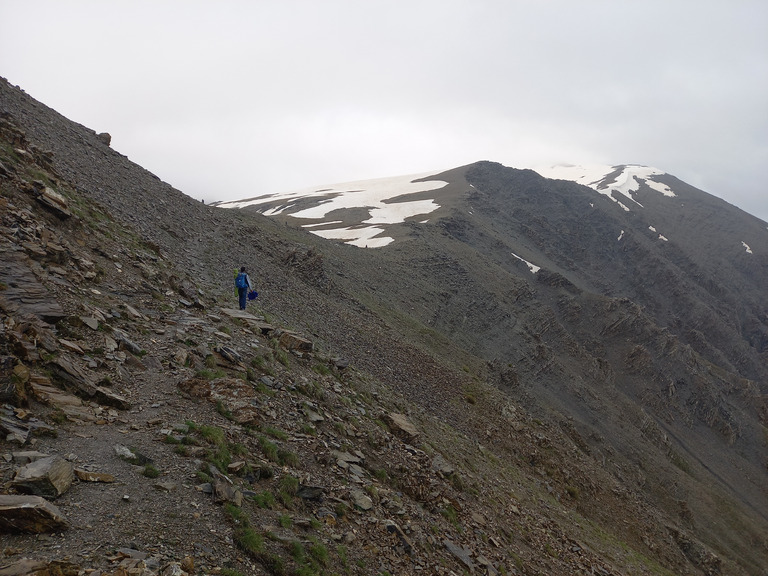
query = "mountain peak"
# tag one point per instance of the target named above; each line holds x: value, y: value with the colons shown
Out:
x: 364, y: 213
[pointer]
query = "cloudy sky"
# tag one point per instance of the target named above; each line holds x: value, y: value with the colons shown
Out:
x: 230, y: 99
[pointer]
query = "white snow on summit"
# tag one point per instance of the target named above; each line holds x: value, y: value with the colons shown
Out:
x: 373, y: 195
x: 384, y: 201
x: 622, y: 179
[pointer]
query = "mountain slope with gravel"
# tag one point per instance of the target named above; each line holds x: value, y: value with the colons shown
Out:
x: 431, y: 406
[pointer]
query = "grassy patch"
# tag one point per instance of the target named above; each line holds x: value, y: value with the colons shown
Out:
x: 210, y: 374
x: 264, y: 500
x: 250, y: 541
x: 322, y: 369
x: 220, y: 457
x: 213, y: 434
x: 275, y: 433
x: 269, y: 449
x: 151, y: 471
x: 287, y: 489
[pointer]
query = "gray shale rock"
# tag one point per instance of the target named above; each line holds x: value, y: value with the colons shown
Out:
x: 401, y: 427
x: 32, y: 514
x: 50, y: 477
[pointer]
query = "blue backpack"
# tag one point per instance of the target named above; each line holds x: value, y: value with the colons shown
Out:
x: 240, y: 281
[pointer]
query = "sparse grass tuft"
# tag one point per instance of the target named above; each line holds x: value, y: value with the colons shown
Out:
x: 210, y: 374
x: 264, y: 500
x: 248, y: 540
x: 287, y: 489
x: 151, y: 471
x: 275, y: 433
x: 213, y: 435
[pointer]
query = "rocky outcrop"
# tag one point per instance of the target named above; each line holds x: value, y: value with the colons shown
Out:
x: 24, y: 294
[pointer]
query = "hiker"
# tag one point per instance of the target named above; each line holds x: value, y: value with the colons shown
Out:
x: 243, y: 285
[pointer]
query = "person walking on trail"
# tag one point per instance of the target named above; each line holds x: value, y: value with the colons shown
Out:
x: 243, y: 285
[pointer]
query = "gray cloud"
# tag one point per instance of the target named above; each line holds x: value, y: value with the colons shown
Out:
x: 230, y: 99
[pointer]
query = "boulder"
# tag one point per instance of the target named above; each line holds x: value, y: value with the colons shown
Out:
x: 31, y: 514
x: 54, y: 202
x: 224, y: 491
x: 346, y: 458
x: 72, y: 406
x: 361, y: 500
x: 442, y: 466
x: 50, y: 477
x: 314, y: 493
x: 401, y: 427
x: 464, y: 555
x: 135, y: 458
x: 293, y: 342
x: 393, y: 528
x: 90, y: 321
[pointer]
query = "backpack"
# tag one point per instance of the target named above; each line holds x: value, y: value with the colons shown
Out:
x: 240, y: 281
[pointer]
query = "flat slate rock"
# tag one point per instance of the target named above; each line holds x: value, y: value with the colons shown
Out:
x: 401, y: 427
x: 88, y: 476
x: 242, y: 314
x: 32, y: 514
x: 461, y: 553
x: 30, y: 567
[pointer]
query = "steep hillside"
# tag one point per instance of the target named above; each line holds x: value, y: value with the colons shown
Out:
x: 655, y: 345
x: 429, y: 407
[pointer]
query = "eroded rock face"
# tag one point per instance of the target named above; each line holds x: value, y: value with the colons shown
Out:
x: 24, y: 293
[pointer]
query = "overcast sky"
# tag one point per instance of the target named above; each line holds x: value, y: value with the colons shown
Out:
x: 232, y: 99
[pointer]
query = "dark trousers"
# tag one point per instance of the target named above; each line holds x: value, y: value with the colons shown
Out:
x: 242, y: 293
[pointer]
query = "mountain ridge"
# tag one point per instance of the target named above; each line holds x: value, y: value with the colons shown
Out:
x: 601, y: 406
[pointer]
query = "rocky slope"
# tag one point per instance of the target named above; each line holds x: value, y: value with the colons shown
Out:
x: 324, y: 431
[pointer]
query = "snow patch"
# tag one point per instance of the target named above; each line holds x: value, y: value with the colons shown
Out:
x: 375, y: 196
x: 398, y: 212
x: 622, y: 179
x: 651, y: 228
x: 664, y: 238
x: 532, y: 267
x: 621, y: 236
x: 366, y: 237
x: 315, y: 225
x: 746, y: 246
